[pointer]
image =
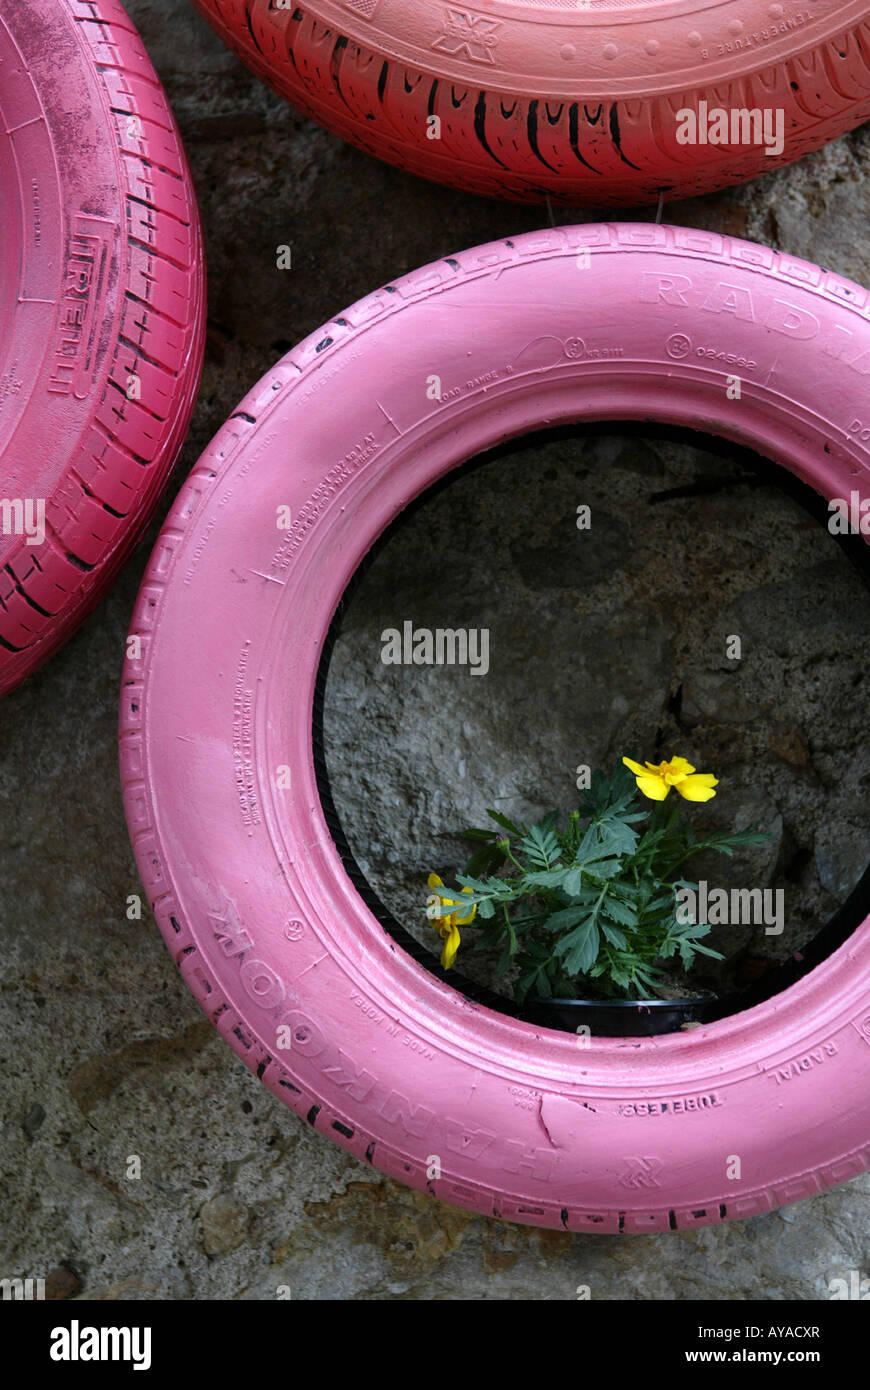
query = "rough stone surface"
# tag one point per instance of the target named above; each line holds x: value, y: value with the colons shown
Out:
x: 224, y: 1222
x: 104, y: 1055
x: 607, y: 641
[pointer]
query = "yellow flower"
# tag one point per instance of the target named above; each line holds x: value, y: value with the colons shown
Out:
x: 445, y: 923
x: 656, y: 781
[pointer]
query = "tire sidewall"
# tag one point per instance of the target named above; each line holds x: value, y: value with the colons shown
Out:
x: 542, y: 51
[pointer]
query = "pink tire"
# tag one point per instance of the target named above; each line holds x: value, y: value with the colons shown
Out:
x: 101, y: 312
x: 478, y: 1108
x: 576, y: 102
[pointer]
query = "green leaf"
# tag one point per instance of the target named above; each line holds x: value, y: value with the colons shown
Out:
x: 524, y: 983
x: 620, y: 911
x: 505, y: 960
x: 578, y: 950
x: 492, y: 885
x: 726, y: 843
x: 546, y: 878
x: 616, y: 794
x: 602, y: 868
x: 627, y: 892
x: 615, y: 835
x: 567, y: 918
x: 661, y: 903
x: 504, y: 822
x: 572, y: 883
x: 488, y: 857
x: 591, y: 850
x: 540, y: 847
x: 614, y: 935
x: 489, y: 937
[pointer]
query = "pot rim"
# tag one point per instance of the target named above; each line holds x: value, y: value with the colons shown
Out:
x: 703, y: 997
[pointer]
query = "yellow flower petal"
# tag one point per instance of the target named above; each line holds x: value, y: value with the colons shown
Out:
x: 698, y: 788
x: 656, y: 779
x: 680, y: 765
x: 433, y: 881
x: 653, y: 787
x: 634, y: 767
x: 451, y: 946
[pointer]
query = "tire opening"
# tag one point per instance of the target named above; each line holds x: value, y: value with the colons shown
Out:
x: 694, y: 535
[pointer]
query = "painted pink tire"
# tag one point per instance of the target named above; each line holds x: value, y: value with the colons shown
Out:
x: 216, y: 746
x: 576, y: 102
x: 101, y: 312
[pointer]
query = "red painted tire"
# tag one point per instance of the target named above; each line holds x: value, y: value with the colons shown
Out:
x: 578, y: 102
x: 101, y: 312
x: 245, y: 880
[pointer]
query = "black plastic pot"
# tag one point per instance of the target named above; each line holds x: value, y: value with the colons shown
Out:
x: 621, y: 1018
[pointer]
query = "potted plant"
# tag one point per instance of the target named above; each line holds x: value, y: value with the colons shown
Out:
x: 589, y: 911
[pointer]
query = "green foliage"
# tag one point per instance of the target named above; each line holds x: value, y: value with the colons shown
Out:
x: 587, y: 906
